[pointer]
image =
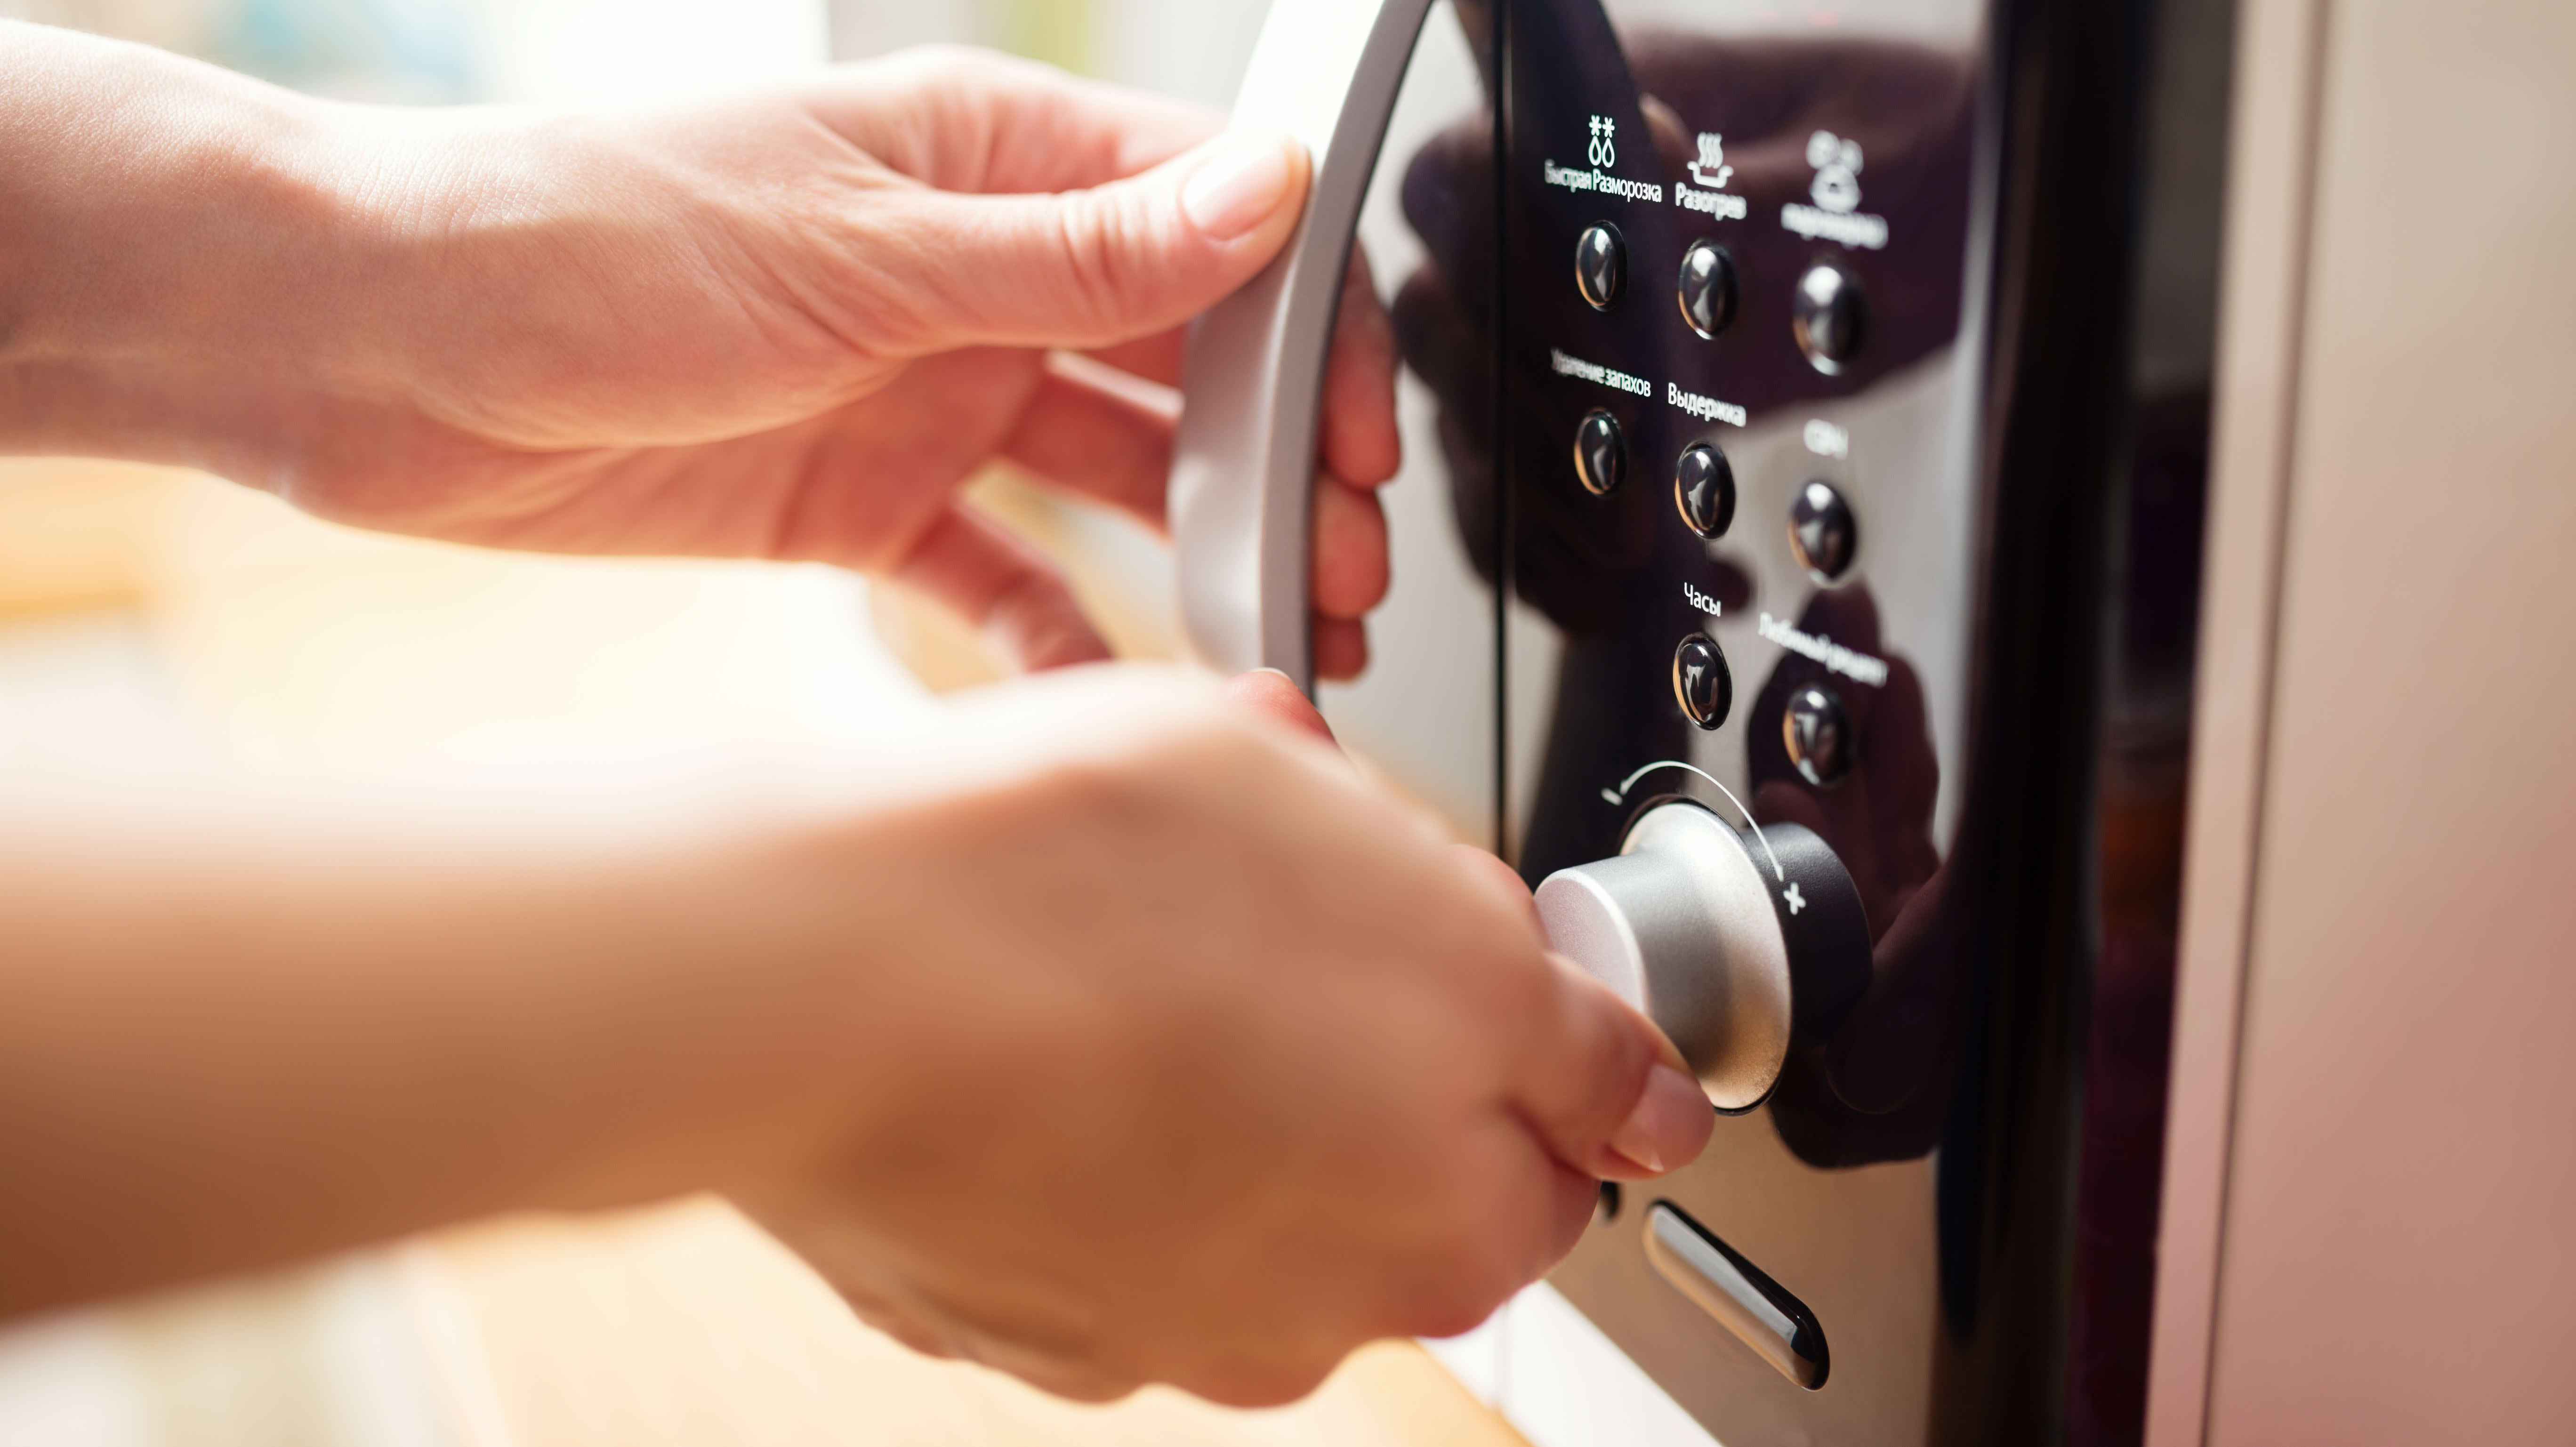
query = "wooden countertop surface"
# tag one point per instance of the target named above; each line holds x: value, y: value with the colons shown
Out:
x: 687, y: 1326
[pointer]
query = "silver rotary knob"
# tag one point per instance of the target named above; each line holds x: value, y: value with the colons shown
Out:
x: 1733, y: 947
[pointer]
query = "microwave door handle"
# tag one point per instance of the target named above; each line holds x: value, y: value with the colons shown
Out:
x: 1243, y: 463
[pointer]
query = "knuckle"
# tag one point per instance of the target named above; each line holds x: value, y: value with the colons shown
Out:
x: 1101, y: 240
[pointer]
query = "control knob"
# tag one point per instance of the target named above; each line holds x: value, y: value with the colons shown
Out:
x: 1735, y: 947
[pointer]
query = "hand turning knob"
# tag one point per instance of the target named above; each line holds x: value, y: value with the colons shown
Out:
x: 1733, y: 950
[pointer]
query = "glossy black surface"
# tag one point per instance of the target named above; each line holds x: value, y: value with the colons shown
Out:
x: 1823, y: 533
x: 1826, y: 927
x: 1600, y: 265
x: 1705, y: 290
x: 1704, y: 490
x: 1702, y: 683
x: 2005, y: 819
x: 1600, y: 452
x: 1829, y: 316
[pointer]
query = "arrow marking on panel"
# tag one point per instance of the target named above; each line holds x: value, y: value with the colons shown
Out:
x: 1630, y: 782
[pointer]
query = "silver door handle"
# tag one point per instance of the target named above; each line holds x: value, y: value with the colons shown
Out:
x: 1243, y: 465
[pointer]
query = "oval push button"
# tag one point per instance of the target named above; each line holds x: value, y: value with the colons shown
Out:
x: 1704, y: 490
x: 1702, y: 682
x: 1822, y: 531
x: 1829, y: 317
x: 1707, y: 288
x: 1762, y: 1314
x: 1816, y: 730
x: 1600, y: 452
x: 1600, y: 264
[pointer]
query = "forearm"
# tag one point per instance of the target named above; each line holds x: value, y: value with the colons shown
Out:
x: 217, y: 1054
x: 176, y: 248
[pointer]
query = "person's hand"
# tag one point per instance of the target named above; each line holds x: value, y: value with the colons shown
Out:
x: 1110, y: 1032
x: 780, y: 323
x: 1193, y: 1059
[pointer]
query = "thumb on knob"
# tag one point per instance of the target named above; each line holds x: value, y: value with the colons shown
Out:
x: 1669, y: 1125
x: 1612, y: 1095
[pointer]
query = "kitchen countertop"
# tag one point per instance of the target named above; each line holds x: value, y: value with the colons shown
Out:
x: 680, y: 1326
x: 686, y: 1325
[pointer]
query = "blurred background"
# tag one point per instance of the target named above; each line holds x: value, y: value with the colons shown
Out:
x: 157, y: 623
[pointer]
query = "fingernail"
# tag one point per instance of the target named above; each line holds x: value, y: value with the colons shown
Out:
x: 1669, y: 1125
x: 1238, y: 188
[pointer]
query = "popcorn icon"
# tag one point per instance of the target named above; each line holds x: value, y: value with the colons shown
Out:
x: 1837, y: 163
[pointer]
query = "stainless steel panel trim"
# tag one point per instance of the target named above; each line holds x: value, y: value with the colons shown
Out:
x: 1782, y: 1333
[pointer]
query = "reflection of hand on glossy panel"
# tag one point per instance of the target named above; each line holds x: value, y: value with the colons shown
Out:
x: 1570, y: 544
x: 1878, y: 813
x: 1904, y: 113
x: 1908, y: 110
x: 1865, y: 1092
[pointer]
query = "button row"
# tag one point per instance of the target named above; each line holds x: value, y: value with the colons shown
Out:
x: 1824, y: 535
x: 1829, y: 316
x: 1815, y: 728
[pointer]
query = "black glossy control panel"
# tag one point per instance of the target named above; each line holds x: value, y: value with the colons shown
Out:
x: 1771, y: 598
x: 1784, y: 508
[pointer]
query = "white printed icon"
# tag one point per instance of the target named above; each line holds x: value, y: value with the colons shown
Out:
x: 1711, y: 170
x: 1793, y: 898
x: 1837, y: 163
x: 1604, y: 130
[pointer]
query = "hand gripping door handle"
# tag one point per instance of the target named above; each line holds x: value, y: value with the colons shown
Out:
x: 1243, y: 464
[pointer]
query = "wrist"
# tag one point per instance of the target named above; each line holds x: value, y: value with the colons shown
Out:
x: 172, y: 234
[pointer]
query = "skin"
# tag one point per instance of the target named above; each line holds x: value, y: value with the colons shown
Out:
x: 1114, y: 1032
x: 780, y: 323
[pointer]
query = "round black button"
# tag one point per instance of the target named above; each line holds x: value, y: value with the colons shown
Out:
x: 1704, y: 490
x: 1830, y: 317
x: 1600, y: 264
x: 1701, y: 683
x: 1707, y: 288
x: 1600, y: 452
x: 1822, y: 531
x: 1817, y: 733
